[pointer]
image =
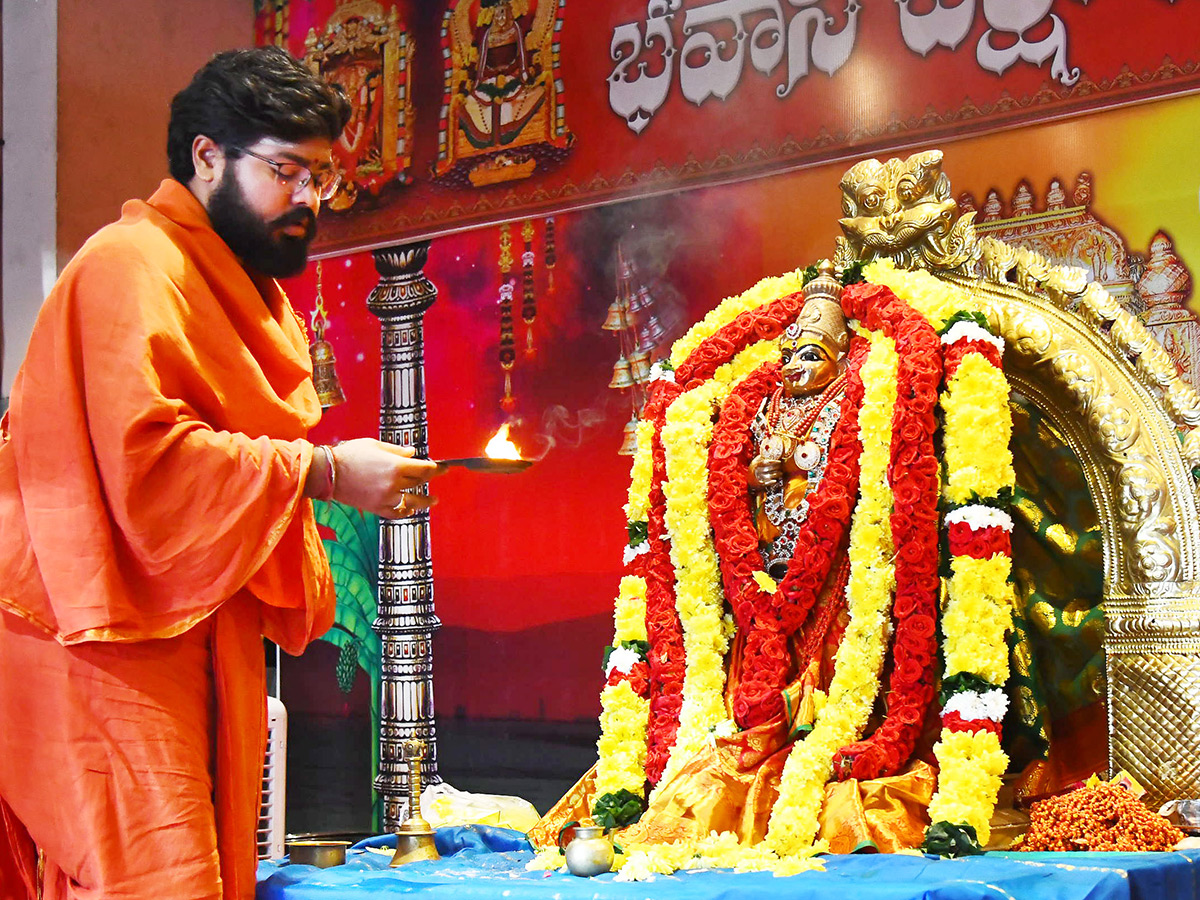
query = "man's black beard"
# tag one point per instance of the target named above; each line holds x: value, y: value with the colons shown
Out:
x: 257, y: 243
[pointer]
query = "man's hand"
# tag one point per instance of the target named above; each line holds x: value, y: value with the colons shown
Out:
x: 376, y: 477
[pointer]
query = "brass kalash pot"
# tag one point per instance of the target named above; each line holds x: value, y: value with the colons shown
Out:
x: 414, y: 839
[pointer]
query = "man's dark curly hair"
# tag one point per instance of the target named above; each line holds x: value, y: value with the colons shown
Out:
x: 241, y: 96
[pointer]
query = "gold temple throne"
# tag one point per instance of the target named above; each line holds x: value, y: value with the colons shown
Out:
x: 1114, y: 395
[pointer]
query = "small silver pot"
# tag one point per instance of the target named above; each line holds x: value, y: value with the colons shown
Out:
x: 321, y: 854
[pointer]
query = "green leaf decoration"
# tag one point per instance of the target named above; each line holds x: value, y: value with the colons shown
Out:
x: 347, y: 666
x: 963, y: 681
x: 353, y: 555
x: 967, y: 315
x: 638, y: 532
x: 616, y: 810
x: 953, y: 841
x: 852, y: 274
x: 1002, y: 499
x: 808, y: 273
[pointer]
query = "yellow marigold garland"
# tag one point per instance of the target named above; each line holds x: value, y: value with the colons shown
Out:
x: 699, y: 599
x: 727, y: 310
x: 933, y: 298
x: 977, y: 616
x: 624, y: 716
x: 970, y: 765
x: 977, y: 431
x: 629, y: 612
x: 717, y: 851
x: 622, y: 745
x: 641, y: 472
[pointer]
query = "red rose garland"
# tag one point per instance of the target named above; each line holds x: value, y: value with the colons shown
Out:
x: 914, y: 476
x: 956, y: 352
x: 978, y: 543
x: 765, y: 323
x: 663, y: 632
x: 734, y: 534
x: 638, y: 677
x: 952, y: 721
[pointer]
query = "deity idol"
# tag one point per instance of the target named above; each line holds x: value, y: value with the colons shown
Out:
x: 502, y: 91
x: 793, y: 426
x: 776, y: 657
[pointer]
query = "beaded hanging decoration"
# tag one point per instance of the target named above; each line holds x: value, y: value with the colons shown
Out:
x: 508, y: 353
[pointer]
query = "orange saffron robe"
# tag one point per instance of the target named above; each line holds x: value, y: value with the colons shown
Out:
x: 152, y: 528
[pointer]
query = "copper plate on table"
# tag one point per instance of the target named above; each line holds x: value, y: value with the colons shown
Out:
x: 487, y: 464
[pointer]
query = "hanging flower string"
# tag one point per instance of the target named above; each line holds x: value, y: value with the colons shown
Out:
x: 508, y: 353
x: 528, y: 297
x: 914, y: 477
x: 549, y: 252
x: 978, y: 613
x: 698, y: 599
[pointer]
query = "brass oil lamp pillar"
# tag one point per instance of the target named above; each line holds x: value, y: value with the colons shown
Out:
x: 405, y: 620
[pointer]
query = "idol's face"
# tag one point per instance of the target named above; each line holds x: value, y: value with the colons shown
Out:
x: 806, y: 369
x: 265, y: 204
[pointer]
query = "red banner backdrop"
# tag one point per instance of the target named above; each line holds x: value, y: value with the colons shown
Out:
x: 470, y: 112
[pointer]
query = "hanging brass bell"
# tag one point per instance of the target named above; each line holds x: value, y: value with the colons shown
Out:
x: 639, y: 366
x: 629, y: 438
x: 622, y: 377
x: 325, y: 380
x: 651, y: 331
x: 618, y: 317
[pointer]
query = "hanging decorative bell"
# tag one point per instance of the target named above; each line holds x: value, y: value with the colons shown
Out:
x: 641, y: 299
x: 651, y: 331
x: 629, y: 438
x: 639, y: 366
x: 325, y: 380
x: 618, y: 317
x: 622, y: 377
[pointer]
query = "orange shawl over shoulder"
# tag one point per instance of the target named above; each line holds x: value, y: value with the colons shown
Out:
x: 154, y: 457
x: 152, y: 466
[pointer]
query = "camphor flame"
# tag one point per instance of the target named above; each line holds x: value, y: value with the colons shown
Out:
x: 500, y: 447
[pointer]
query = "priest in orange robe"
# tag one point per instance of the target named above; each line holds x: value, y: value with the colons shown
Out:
x: 155, y: 512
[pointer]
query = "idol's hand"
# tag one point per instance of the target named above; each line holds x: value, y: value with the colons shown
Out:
x: 374, y: 477
x: 764, y: 472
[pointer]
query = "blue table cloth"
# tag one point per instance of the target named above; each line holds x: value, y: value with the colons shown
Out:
x: 484, y: 863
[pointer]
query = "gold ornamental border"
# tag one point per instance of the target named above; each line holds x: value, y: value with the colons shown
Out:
x: 1114, y: 393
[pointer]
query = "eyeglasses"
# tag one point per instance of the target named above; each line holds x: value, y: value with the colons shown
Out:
x: 296, y: 177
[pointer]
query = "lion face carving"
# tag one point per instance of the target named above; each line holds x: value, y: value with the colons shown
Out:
x: 902, y: 209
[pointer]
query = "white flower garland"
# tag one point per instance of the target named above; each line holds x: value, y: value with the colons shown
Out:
x: 978, y: 516
x: 972, y: 705
x: 971, y: 331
